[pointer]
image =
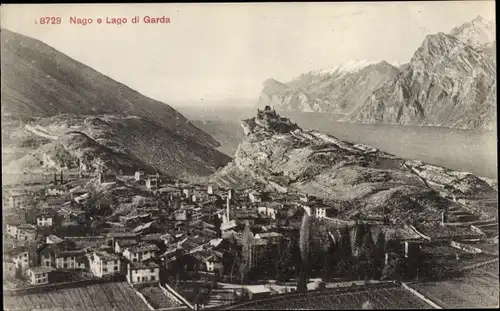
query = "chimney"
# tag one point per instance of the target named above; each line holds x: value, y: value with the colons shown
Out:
x: 227, y: 209
x: 407, y: 247
x: 443, y: 218
x: 386, y: 261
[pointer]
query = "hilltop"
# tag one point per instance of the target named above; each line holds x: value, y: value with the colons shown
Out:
x: 277, y: 155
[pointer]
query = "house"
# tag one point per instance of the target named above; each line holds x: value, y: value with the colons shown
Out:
x: 149, y: 227
x: 26, y: 232
x: 225, y: 226
x: 180, y: 215
x: 139, y: 175
x: 323, y: 211
x: 152, y: 183
x: 20, y: 257
x: 212, y: 189
x: 214, y: 263
x: 46, y: 218
x: 69, y: 259
x: 20, y: 200
x: 104, y: 264
x: 271, y: 236
x: 12, y: 222
x: 255, y: 196
x: 257, y: 291
x: 143, y: 272
x: 267, y: 211
x: 187, y: 192
x: 40, y: 275
x: 49, y: 252
x: 140, y: 252
x: 121, y: 245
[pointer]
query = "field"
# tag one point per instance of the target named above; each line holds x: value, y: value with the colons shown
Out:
x: 476, y: 289
x: 99, y: 297
x: 156, y: 298
x: 386, y: 296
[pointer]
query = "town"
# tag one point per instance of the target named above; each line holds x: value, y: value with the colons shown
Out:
x: 184, y: 245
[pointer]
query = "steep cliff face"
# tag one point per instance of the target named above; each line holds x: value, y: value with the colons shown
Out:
x: 450, y: 81
x: 332, y: 90
x: 352, y: 176
x: 447, y: 83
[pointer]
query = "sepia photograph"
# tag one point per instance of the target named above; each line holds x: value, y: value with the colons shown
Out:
x: 249, y: 156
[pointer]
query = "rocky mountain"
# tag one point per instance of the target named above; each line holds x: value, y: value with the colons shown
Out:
x: 450, y: 81
x: 337, y: 89
x: 277, y: 155
x: 477, y: 33
x: 60, y: 112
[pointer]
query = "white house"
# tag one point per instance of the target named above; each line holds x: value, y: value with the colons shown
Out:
x: 267, y: 211
x: 39, y: 275
x: 322, y: 210
x: 139, y: 175
x: 140, y: 252
x: 45, y: 219
x: 255, y: 197
x: 214, y: 263
x: 143, y: 272
x: 103, y: 264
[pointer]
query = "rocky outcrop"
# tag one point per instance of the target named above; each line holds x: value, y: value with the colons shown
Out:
x: 447, y: 83
x: 331, y: 90
x: 353, y: 177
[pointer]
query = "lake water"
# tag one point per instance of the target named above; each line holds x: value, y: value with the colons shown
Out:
x: 472, y: 151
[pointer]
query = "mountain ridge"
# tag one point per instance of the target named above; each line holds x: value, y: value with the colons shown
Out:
x: 46, y: 95
x: 395, y: 96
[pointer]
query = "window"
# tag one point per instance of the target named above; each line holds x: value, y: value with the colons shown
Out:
x: 134, y: 260
x: 104, y: 270
x: 153, y: 278
x: 116, y: 268
x: 65, y: 265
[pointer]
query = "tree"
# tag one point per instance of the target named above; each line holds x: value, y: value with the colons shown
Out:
x: 392, y: 270
x: 246, y: 261
x: 329, y: 262
x: 302, y: 284
x: 378, y: 255
x: 217, y: 224
x: 304, y: 240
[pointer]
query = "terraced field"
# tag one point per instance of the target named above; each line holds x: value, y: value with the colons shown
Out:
x: 476, y: 289
x: 156, y: 298
x: 385, y: 296
x: 98, y: 297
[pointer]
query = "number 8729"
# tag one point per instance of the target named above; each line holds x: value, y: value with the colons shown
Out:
x: 50, y: 20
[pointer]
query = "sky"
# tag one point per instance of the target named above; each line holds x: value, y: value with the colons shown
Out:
x: 225, y: 51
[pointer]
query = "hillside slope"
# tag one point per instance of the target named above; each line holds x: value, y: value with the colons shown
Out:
x: 277, y: 155
x: 39, y: 81
x: 59, y: 113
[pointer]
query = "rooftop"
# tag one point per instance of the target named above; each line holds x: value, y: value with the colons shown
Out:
x: 143, y: 265
x: 143, y: 247
x: 105, y: 256
x: 257, y: 289
x: 42, y: 269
